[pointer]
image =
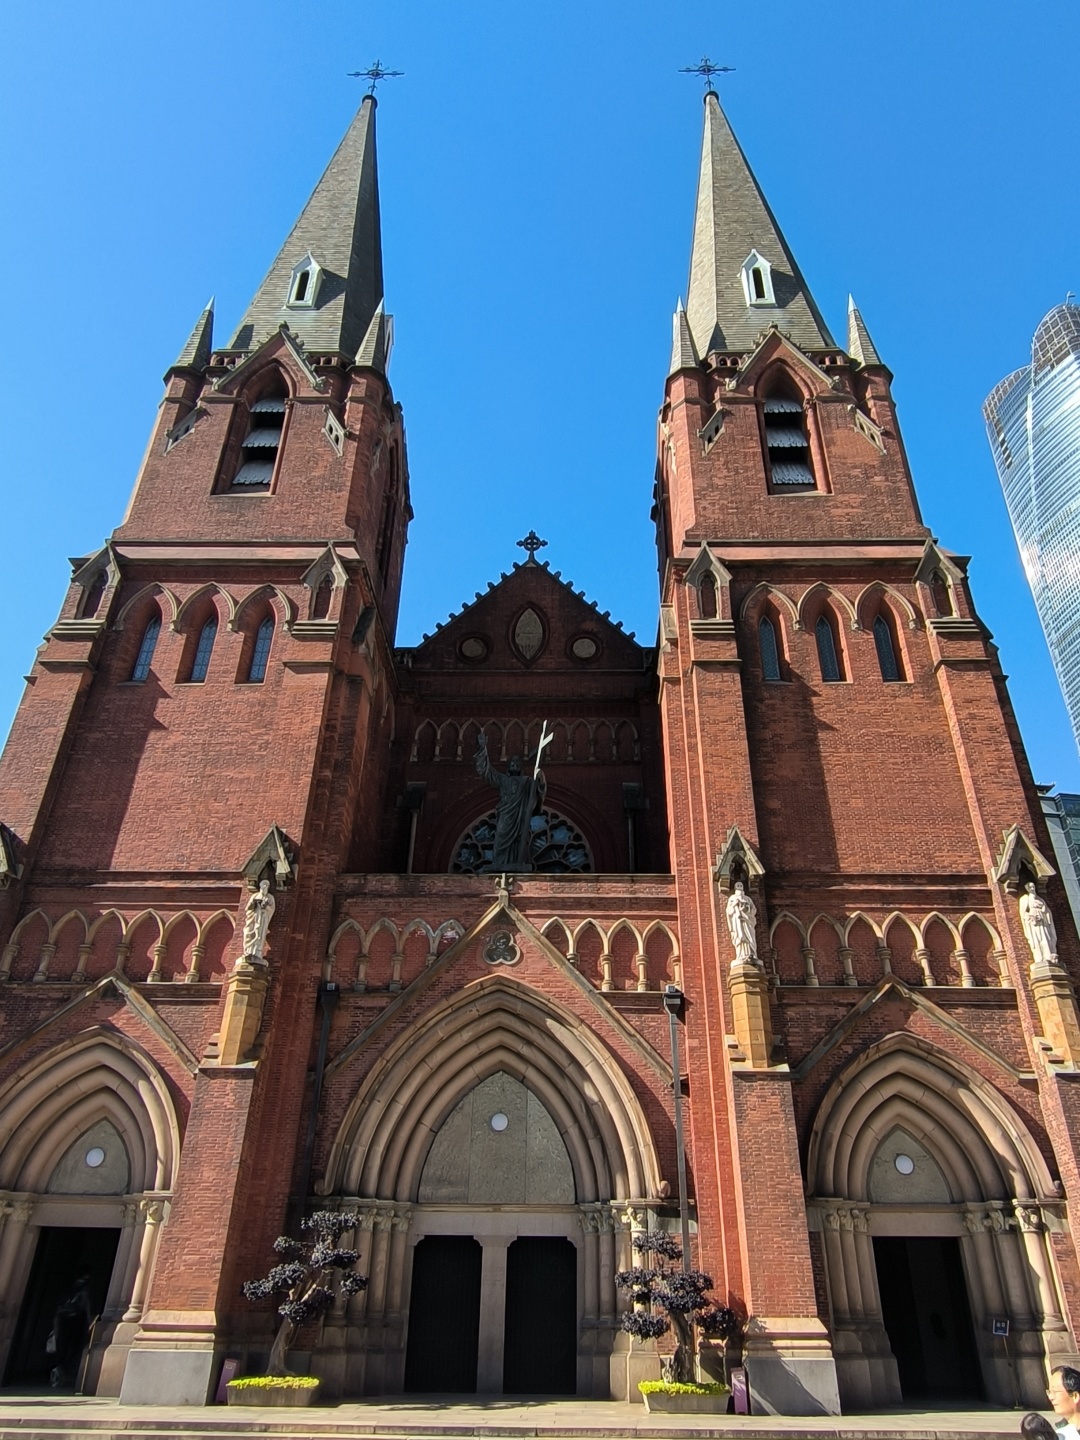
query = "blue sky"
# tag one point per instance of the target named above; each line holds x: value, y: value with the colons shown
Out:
x: 537, y: 167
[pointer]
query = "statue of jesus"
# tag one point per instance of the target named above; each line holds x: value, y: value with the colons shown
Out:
x: 520, y: 797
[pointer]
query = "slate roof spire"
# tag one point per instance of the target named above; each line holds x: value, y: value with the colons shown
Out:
x: 196, y: 353
x: 339, y: 230
x: 683, y: 355
x: 732, y: 222
x: 859, y: 345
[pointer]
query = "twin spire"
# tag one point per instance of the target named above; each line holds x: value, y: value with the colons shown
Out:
x: 326, y: 283
x: 743, y: 276
x: 339, y: 231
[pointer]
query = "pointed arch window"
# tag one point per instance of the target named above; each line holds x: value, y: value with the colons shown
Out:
x: 942, y: 593
x: 787, y: 443
x: 260, y: 654
x: 261, y: 444
x: 828, y: 653
x: 707, y: 597
x: 141, y: 669
x: 770, y: 650
x: 886, y: 650
x: 205, y: 648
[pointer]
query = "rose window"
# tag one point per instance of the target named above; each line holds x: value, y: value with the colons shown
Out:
x: 557, y: 846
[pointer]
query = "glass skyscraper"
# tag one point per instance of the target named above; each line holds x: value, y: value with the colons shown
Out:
x: 1033, y: 419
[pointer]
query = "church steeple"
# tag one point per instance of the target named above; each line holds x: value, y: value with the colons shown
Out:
x: 327, y: 281
x: 743, y: 277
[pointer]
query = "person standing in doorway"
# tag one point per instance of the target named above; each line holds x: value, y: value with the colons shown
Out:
x: 70, y: 1328
x: 1063, y: 1393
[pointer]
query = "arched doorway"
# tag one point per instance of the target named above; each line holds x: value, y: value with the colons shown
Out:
x: 497, y: 1120
x: 89, y: 1144
x: 934, y: 1206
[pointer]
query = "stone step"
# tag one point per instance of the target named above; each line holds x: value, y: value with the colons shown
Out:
x: 91, y: 1418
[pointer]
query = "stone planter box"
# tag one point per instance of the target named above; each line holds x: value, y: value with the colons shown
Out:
x: 657, y: 1403
x: 271, y: 1395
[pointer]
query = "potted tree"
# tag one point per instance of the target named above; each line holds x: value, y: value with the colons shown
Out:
x: 668, y: 1298
x: 312, y: 1272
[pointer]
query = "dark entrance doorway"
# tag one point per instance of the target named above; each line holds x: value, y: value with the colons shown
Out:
x: 444, y: 1316
x: 924, y: 1304
x: 540, y: 1339
x: 63, y: 1256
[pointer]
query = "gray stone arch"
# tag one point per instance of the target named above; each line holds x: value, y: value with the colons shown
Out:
x: 497, y: 1030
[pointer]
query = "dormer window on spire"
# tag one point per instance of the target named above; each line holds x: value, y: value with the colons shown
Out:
x: 757, y: 280
x: 304, y: 284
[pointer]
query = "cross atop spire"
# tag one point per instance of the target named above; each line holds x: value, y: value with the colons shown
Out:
x: 706, y: 69
x: 375, y: 73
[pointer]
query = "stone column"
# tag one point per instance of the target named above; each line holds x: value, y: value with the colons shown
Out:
x: 16, y: 1254
x: 489, y: 1366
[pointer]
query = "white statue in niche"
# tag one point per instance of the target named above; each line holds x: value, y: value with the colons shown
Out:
x: 1039, y: 929
x: 741, y: 917
x: 257, y: 916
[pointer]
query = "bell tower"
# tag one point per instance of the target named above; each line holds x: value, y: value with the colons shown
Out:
x: 197, y: 723
x: 837, y: 738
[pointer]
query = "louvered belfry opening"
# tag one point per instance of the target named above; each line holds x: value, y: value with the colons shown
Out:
x: 787, y: 444
x: 259, y: 452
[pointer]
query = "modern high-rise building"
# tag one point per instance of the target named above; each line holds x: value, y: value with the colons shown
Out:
x: 1033, y: 420
x: 801, y: 818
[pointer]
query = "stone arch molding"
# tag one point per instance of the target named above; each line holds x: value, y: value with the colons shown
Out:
x: 45, y: 1108
x: 983, y: 1148
x: 495, y: 1025
x: 98, y: 1076
x: 1001, y: 1207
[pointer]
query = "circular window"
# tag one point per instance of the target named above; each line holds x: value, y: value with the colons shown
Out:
x: 905, y: 1164
x: 557, y: 846
x: 584, y: 647
x: 499, y: 1121
x: 95, y: 1157
x: 474, y: 648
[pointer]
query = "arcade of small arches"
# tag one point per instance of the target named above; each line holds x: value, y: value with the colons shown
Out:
x: 619, y: 955
x: 148, y: 946
x: 580, y: 741
x: 857, y: 949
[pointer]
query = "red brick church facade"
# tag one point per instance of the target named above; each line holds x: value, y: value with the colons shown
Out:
x: 881, y: 1089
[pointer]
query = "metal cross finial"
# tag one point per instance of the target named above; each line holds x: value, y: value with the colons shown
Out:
x: 375, y: 73
x: 706, y: 69
x: 532, y: 543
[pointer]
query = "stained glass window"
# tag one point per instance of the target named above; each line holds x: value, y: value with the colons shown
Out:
x: 146, y: 649
x: 557, y: 847
x: 261, y: 653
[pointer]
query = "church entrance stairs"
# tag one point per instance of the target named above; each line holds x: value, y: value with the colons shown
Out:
x: 43, y: 1417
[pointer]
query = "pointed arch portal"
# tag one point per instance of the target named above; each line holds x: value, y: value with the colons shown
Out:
x: 934, y: 1207
x: 498, y: 1118
x: 89, y: 1146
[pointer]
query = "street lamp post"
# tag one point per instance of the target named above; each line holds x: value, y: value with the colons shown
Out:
x: 673, y: 1004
